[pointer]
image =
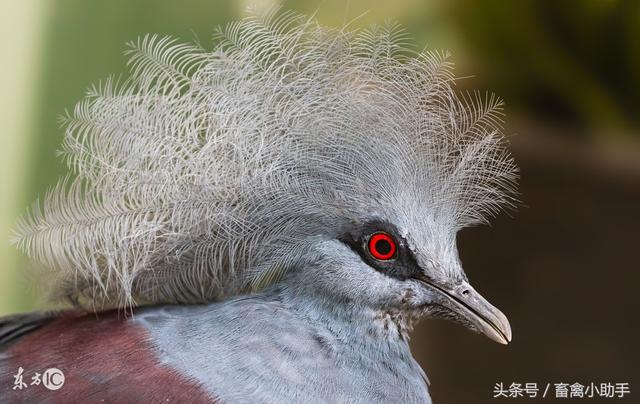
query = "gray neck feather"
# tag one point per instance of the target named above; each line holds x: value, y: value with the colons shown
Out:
x: 347, y: 318
x: 297, y: 347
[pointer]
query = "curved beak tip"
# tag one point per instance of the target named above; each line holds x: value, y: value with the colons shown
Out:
x: 485, y: 318
x: 504, y: 340
x: 508, y: 334
x: 495, y: 325
x: 502, y: 328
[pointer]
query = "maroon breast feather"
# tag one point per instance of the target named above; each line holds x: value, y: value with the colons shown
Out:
x: 104, y: 357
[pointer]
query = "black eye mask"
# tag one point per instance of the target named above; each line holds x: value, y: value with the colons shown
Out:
x: 374, y: 241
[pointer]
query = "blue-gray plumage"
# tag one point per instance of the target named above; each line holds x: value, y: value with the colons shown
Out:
x: 283, y: 209
x: 286, y: 355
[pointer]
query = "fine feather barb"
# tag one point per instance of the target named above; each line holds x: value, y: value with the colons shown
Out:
x: 205, y: 173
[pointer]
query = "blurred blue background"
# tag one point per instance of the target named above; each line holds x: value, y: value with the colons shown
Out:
x: 563, y: 268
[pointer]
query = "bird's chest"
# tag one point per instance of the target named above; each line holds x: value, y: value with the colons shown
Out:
x: 278, y: 358
x: 300, y: 370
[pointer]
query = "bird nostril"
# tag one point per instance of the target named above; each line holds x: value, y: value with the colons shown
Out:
x: 465, y: 292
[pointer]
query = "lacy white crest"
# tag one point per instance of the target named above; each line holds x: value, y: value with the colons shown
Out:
x: 205, y: 173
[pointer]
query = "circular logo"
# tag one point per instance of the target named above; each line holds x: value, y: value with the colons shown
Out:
x: 53, y: 378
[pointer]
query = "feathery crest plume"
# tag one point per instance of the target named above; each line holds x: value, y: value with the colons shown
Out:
x: 205, y: 173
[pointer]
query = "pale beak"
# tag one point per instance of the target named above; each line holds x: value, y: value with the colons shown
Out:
x: 474, y: 309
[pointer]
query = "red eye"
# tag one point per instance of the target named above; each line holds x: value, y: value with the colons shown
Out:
x: 382, y: 246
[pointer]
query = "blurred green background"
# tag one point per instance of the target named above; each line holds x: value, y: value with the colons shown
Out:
x: 563, y: 268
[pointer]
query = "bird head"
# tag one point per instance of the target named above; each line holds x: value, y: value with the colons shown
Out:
x: 405, y: 272
x: 383, y: 234
x: 339, y: 160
